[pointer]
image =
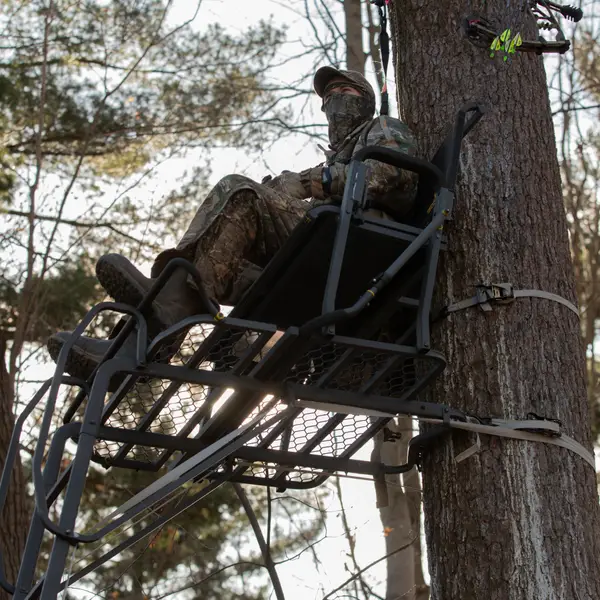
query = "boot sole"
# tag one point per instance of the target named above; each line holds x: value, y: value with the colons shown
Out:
x: 79, y: 365
x: 121, y: 288
x: 126, y: 290
x: 112, y: 276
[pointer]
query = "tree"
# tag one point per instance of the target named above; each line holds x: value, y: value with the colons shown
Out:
x: 208, y: 552
x: 575, y: 86
x: 398, y: 499
x: 399, y: 503
x: 501, y: 524
x: 93, y: 94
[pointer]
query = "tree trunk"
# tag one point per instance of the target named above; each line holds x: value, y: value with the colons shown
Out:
x: 399, y: 511
x: 519, y: 519
x: 13, y: 519
x: 355, y: 55
x: 412, y: 488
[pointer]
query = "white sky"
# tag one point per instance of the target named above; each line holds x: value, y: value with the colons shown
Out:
x: 301, y: 581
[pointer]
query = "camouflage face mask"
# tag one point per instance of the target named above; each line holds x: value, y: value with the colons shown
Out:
x: 344, y: 114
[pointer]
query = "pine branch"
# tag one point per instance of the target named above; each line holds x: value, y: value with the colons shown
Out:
x: 76, y: 223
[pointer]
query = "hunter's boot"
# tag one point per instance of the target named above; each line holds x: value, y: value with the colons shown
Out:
x: 176, y: 301
x: 126, y: 284
x: 86, y: 354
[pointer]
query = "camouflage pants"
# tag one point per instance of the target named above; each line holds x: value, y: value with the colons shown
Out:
x: 240, y: 224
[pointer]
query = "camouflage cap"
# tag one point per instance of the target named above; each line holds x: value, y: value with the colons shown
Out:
x: 325, y: 74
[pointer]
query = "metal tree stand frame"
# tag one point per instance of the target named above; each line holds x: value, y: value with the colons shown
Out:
x: 282, y: 392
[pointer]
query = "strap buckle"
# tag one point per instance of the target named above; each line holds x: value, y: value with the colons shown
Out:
x: 501, y: 293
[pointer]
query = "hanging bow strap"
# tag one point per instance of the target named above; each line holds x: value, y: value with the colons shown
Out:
x: 384, y: 48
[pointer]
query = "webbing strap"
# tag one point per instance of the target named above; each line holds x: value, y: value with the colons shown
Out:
x: 504, y: 293
x: 520, y: 430
x: 384, y: 48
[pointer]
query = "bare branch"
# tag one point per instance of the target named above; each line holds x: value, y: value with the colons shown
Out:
x: 369, y: 566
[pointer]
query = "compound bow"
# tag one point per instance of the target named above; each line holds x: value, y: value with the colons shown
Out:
x: 482, y: 33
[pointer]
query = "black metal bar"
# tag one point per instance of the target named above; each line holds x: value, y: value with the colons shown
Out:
x: 377, y: 403
x: 36, y: 530
x: 9, y: 464
x: 13, y: 450
x: 358, y: 400
x: 85, y: 448
x: 443, y: 206
x: 135, y: 437
x: 354, y: 191
x: 401, y: 231
x: 140, y: 535
x: 461, y: 129
x: 402, y: 161
x: 312, y: 461
x: 344, y: 314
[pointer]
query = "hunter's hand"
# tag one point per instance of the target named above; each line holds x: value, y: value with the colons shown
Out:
x: 288, y: 183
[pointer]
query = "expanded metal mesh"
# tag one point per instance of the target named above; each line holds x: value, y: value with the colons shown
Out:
x: 183, y: 410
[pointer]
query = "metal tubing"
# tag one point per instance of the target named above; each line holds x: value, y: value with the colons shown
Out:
x: 326, y: 463
x: 354, y: 191
x: 402, y: 161
x: 382, y: 403
x: 38, y: 456
x: 75, y: 487
x: 337, y: 316
x: 36, y: 529
x: 443, y: 205
x: 162, y: 520
x: 9, y: 463
x: 461, y: 129
x: 12, y: 453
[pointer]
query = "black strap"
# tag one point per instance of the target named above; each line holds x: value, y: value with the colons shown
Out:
x: 384, y: 48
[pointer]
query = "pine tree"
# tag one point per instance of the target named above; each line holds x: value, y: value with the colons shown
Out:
x: 94, y: 93
x: 516, y: 520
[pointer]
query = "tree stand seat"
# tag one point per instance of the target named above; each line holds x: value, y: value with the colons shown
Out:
x: 329, y: 344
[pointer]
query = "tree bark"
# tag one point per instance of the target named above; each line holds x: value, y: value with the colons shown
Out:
x: 13, y: 519
x: 355, y: 55
x: 519, y: 519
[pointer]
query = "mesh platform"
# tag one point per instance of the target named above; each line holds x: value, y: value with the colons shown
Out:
x: 326, y: 378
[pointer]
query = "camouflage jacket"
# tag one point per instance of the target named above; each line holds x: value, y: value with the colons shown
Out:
x: 388, y: 188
